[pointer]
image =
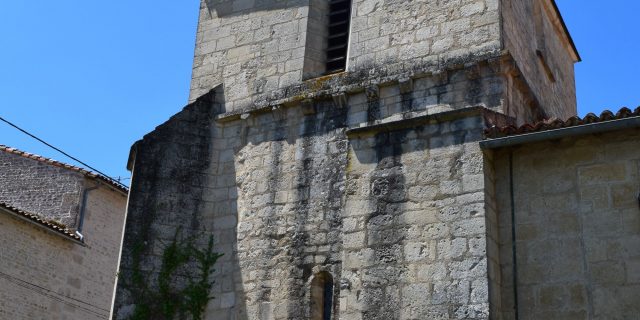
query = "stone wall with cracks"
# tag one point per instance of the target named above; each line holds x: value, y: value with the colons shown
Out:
x: 258, y: 50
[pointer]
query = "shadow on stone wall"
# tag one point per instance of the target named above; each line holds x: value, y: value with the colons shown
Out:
x: 175, y: 186
x: 290, y: 173
x: 274, y: 189
x: 408, y: 183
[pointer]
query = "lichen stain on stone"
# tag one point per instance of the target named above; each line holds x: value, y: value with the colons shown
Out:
x: 317, y: 84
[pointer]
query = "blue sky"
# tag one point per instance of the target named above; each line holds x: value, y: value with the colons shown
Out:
x: 92, y: 77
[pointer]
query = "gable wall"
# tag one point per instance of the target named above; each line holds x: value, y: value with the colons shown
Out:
x: 33, y: 186
x: 47, y: 276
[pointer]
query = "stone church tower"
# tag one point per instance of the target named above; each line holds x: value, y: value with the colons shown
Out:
x: 331, y: 147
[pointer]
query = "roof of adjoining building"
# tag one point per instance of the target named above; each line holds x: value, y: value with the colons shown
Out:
x: 509, y: 135
x: 51, y: 225
x: 89, y: 174
x: 509, y: 130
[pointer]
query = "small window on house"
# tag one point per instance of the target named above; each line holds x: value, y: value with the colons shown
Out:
x: 321, y: 296
x: 327, y: 37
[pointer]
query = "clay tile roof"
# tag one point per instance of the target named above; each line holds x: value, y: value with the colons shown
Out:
x: 49, y: 224
x: 511, y: 130
x: 89, y: 174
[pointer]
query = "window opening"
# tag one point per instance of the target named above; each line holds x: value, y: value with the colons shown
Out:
x: 321, y: 296
x: 327, y: 37
x: 338, y: 35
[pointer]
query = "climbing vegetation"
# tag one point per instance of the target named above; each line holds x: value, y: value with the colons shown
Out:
x: 182, y: 285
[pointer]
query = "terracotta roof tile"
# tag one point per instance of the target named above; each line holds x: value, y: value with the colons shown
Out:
x: 89, y: 174
x: 511, y: 130
x: 51, y: 225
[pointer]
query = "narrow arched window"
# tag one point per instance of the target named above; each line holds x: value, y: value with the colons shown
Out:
x: 321, y: 296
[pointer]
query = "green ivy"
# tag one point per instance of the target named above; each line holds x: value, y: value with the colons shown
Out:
x: 167, y: 299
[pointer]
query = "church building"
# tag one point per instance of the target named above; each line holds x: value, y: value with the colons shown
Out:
x: 389, y: 159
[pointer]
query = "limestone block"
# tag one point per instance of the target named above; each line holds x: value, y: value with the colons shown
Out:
x: 431, y: 272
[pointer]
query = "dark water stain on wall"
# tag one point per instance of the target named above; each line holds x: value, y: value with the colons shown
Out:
x: 382, y: 282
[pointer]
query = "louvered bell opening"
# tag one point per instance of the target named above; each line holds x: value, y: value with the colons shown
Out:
x: 338, y: 40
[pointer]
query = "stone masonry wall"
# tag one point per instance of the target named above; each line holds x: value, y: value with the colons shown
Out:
x: 177, y: 182
x: 47, y: 276
x: 414, y: 224
x: 291, y: 182
x: 492, y: 250
x: 391, y: 31
x: 315, y: 56
x: 52, y: 192
x: 297, y: 215
x: 373, y: 175
x: 396, y: 218
x: 577, y: 231
x: 254, y: 48
x: 527, y: 28
x: 249, y: 46
x: 288, y: 193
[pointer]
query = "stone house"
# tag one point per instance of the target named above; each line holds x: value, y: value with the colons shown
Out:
x: 61, y: 230
x: 391, y: 159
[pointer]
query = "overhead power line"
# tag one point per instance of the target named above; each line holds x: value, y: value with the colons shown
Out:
x: 57, y: 149
x: 76, y: 303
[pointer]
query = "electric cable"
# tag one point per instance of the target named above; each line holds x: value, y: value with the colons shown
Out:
x: 53, y: 295
x: 61, y: 151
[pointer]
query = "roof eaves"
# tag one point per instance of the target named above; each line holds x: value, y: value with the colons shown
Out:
x: 507, y: 136
x: 47, y: 225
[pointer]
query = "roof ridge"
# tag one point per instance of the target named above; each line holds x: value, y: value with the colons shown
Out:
x: 87, y: 173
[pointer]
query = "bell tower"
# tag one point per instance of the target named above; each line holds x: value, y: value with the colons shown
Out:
x: 331, y: 147
x: 258, y: 49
